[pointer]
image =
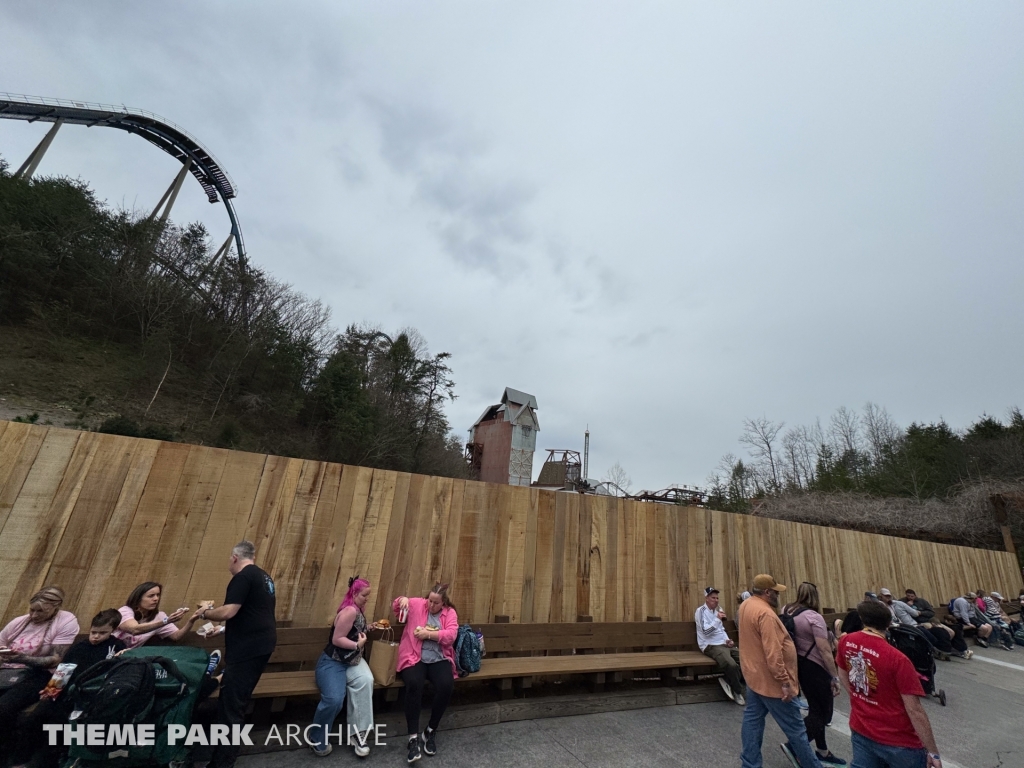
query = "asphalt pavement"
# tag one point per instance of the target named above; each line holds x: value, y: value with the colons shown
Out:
x: 982, y: 726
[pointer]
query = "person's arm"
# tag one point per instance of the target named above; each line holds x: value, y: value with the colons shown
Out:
x: 223, y: 613
x: 773, y: 635
x: 449, y: 629
x: 922, y: 726
x: 343, y: 625
x: 398, y: 604
x: 132, y: 627
x: 52, y: 659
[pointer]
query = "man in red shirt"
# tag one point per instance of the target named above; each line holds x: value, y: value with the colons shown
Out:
x: 889, y: 725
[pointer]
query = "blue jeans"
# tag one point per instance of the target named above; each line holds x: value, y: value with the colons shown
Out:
x: 335, y: 680
x: 871, y: 754
x: 787, y: 715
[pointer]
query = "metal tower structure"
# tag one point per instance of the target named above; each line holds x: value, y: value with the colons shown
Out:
x: 165, y: 135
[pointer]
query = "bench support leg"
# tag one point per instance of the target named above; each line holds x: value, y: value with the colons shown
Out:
x: 277, y: 704
x: 391, y: 695
x: 669, y: 676
x: 504, y: 686
x: 521, y: 685
x: 595, y: 681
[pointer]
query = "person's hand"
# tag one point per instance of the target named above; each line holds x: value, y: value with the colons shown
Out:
x: 197, y: 616
x: 787, y: 692
x: 835, y: 688
x: 730, y: 644
x: 403, y: 603
x: 933, y: 762
x: 176, y: 615
x: 421, y: 633
x: 361, y: 641
x: 721, y: 615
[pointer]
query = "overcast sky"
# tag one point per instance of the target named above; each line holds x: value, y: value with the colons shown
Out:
x: 658, y: 218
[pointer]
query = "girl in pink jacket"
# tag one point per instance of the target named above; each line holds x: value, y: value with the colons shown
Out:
x: 426, y: 652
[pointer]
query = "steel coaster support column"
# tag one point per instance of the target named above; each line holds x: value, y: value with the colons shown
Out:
x: 33, y: 160
x: 171, y: 194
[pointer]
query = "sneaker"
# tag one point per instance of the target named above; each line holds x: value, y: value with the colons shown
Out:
x: 788, y: 752
x: 981, y: 641
x: 830, y: 758
x: 215, y: 658
x: 740, y: 700
x: 414, y: 750
x: 429, y: 748
x: 362, y: 750
x: 322, y: 752
x: 727, y: 689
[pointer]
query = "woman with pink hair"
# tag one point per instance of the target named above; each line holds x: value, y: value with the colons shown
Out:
x: 342, y: 669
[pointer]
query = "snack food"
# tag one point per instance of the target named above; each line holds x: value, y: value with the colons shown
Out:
x: 382, y: 624
x: 205, y: 604
x: 60, y: 676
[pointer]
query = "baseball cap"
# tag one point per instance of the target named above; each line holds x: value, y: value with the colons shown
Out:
x: 870, y: 595
x: 709, y: 591
x: 764, y: 581
x: 744, y: 595
x: 884, y: 591
x: 996, y: 595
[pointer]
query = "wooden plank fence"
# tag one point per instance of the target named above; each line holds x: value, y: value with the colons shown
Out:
x: 97, y: 514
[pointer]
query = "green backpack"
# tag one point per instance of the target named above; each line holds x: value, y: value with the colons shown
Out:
x: 170, y: 688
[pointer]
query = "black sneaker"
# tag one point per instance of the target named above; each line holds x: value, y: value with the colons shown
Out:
x: 414, y: 750
x: 981, y: 641
x: 429, y: 748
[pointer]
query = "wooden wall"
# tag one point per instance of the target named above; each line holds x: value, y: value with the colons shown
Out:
x: 97, y: 514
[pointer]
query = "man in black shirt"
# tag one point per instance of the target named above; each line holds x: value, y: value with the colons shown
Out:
x: 29, y: 733
x: 249, y: 639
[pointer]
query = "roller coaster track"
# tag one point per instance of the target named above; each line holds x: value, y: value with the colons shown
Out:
x: 162, y: 133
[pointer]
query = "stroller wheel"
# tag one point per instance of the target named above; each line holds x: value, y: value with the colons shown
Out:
x: 942, y: 697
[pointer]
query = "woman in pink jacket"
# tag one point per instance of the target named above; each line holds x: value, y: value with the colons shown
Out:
x: 426, y: 652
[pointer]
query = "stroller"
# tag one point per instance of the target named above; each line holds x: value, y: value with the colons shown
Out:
x: 912, y: 643
x: 169, y: 698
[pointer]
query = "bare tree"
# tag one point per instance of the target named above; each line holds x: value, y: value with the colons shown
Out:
x: 844, y: 429
x: 882, y: 432
x: 799, y: 451
x: 618, y: 478
x: 761, y: 435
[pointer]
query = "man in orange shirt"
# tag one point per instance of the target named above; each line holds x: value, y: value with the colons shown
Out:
x: 768, y: 661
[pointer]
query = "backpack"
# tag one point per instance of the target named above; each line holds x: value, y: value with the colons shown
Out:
x: 468, y: 650
x: 126, y: 692
x: 146, y: 685
x: 787, y: 621
x: 1018, y: 636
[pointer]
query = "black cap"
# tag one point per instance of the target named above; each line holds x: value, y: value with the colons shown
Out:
x: 709, y: 590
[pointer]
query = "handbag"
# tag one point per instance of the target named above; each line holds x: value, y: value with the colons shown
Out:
x: 12, y: 677
x: 384, y: 658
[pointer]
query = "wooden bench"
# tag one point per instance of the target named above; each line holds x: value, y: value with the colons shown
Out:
x: 517, y: 654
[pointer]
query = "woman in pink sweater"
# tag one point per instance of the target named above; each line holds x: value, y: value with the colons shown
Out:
x: 426, y: 652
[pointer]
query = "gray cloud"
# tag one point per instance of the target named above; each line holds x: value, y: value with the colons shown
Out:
x: 659, y: 220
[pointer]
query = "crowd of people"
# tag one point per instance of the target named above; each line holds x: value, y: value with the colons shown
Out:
x: 792, y: 666
x: 787, y: 663
x: 33, y: 645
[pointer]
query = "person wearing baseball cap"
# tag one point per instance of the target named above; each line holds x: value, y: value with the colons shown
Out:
x: 769, y: 667
x: 716, y: 644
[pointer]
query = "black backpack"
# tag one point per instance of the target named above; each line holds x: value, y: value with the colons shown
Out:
x: 787, y: 621
x: 126, y: 691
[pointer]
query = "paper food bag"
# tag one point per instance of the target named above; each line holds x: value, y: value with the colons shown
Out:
x: 384, y: 658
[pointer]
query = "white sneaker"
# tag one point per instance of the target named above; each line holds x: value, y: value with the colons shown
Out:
x: 362, y: 750
x: 740, y: 700
x: 726, y: 688
x: 328, y: 748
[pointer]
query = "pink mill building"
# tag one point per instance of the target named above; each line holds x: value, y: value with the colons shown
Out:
x: 504, y: 438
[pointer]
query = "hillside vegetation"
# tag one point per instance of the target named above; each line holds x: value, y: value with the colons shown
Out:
x: 123, y: 326
x: 863, y: 470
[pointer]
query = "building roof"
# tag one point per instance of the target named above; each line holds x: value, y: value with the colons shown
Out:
x: 520, y: 398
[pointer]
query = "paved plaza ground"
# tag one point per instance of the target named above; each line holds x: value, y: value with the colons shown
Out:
x: 981, y: 727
